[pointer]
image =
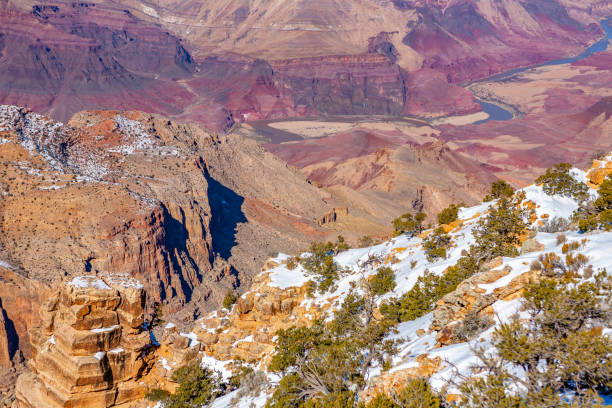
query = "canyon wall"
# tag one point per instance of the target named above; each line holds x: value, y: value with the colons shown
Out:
x: 187, y: 213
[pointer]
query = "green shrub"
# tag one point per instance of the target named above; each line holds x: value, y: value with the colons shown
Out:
x: 436, y: 244
x: 229, y: 299
x: 247, y: 382
x: 383, y: 282
x: 428, y: 289
x: 157, y: 316
x: 498, y: 234
x: 416, y: 393
x: 604, y: 201
x: 557, y: 180
x: 592, y: 215
x: 366, y: 241
x: 344, y: 399
x: 449, y: 214
x: 327, y: 363
x: 587, y: 222
x: 157, y: 395
x: 559, y: 349
x: 381, y: 401
x: 197, y: 387
x: 236, y: 379
x: 499, y: 189
x: 407, y: 223
x: 292, y: 263
x: 320, y: 262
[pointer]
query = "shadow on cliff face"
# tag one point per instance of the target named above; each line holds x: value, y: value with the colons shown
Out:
x: 226, y: 209
x: 11, y: 333
x: 178, y: 253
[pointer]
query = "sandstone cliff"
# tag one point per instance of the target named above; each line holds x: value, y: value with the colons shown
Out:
x: 90, y: 349
x: 188, y: 213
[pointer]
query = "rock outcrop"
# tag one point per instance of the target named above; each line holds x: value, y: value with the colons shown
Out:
x: 8, y: 339
x: 90, y: 349
x: 187, y: 213
x: 333, y: 215
x: 246, y: 332
x: 382, y: 169
x: 471, y: 297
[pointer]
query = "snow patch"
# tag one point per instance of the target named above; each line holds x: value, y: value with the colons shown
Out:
x: 283, y: 278
x: 123, y: 280
x: 193, y: 338
x: 104, y: 329
x: 5, y: 264
x: 164, y: 363
x: 216, y: 365
x: 84, y: 282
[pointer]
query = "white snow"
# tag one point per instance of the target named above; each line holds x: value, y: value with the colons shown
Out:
x: 466, y: 213
x: 52, y: 339
x: 52, y: 187
x: 228, y: 400
x: 85, y: 282
x: 116, y: 350
x: 554, y: 206
x: 170, y: 325
x: 100, y: 355
x: 193, y: 338
x: 134, y: 134
x: 283, y: 278
x: 5, y: 264
x: 123, y: 280
x: 216, y: 365
x: 164, y: 363
x: 248, y: 339
x: 104, y: 329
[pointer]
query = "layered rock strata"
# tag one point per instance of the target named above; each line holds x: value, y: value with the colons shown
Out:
x: 185, y: 212
x: 90, y: 349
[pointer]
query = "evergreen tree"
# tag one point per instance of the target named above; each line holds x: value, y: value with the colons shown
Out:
x: 558, y: 180
x: 449, y: 214
x: 499, y: 189
x: 436, y: 244
x: 324, y: 364
x: 407, y: 223
x: 559, y: 358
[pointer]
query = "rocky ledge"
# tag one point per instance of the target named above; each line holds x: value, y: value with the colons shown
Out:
x: 91, y: 348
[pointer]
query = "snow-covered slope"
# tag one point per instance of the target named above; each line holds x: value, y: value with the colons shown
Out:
x: 421, y: 349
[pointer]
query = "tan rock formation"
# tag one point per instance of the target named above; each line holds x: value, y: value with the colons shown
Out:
x: 6, y: 348
x: 598, y: 172
x: 246, y: 332
x: 392, y: 382
x: 187, y: 213
x: 470, y: 297
x: 90, y: 349
x: 333, y: 215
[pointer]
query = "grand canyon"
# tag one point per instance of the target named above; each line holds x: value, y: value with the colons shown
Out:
x: 190, y: 189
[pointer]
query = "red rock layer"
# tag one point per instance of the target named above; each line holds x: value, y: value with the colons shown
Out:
x: 468, y: 40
